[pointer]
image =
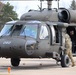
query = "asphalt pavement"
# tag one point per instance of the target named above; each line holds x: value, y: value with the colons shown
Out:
x: 35, y: 67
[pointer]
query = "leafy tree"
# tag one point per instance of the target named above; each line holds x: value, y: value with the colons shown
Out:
x: 8, y: 13
x: 73, y: 5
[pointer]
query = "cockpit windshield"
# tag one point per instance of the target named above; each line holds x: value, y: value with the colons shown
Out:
x: 6, y: 30
x: 29, y: 30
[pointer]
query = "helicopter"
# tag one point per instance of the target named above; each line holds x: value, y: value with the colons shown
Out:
x: 38, y: 34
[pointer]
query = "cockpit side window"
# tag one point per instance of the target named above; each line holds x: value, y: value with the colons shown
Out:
x: 43, y: 32
x: 16, y: 30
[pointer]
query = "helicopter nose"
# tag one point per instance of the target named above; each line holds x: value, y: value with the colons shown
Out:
x: 12, y: 47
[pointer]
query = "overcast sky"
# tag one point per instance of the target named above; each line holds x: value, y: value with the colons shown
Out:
x: 23, y: 6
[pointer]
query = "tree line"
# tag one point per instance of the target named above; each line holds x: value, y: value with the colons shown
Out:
x: 7, y: 14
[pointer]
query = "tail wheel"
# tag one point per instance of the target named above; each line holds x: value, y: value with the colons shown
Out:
x: 65, y: 61
x: 15, y: 61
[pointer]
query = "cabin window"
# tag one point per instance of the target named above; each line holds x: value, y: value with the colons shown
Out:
x: 43, y: 33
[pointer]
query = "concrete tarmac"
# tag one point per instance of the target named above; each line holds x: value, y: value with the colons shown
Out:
x: 36, y: 67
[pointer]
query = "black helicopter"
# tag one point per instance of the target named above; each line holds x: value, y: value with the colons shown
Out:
x: 38, y: 33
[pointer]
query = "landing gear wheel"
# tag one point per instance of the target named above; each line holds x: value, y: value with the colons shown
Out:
x: 15, y: 61
x: 65, y: 61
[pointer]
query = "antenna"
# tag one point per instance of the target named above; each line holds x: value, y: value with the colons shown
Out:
x: 41, y: 4
x: 40, y: 7
x: 58, y: 3
x: 11, y: 18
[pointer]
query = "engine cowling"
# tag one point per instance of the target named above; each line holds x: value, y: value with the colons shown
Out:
x: 62, y: 15
x: 44, y: 15
x: 67, y: 16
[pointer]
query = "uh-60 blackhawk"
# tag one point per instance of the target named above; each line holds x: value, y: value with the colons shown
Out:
x: 38, y: 34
